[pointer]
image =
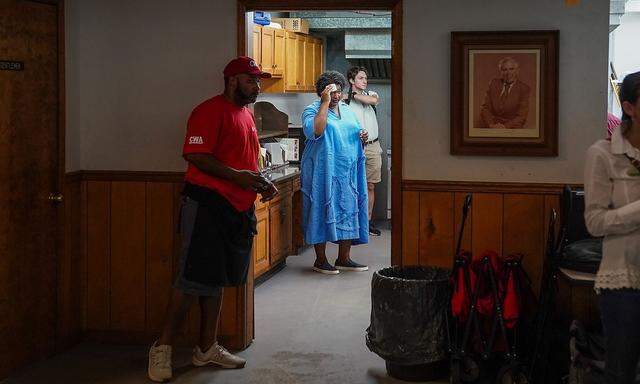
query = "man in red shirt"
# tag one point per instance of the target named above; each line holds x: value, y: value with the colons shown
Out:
x: 217, y: 219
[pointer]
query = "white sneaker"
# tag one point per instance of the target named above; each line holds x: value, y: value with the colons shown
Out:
x: 159, y: 363
x: 217, y: 355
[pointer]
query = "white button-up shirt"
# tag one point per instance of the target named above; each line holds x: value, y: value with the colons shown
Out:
x: 612, y: 210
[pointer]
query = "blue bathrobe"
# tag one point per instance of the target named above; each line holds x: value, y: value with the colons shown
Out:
x: 333, y: 179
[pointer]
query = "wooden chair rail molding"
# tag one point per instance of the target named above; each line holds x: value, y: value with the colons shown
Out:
x: 504, y: 217
x: 485, y: 187
x: 157, y: 176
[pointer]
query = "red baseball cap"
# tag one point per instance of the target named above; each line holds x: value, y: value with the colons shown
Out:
x: 244, y: 64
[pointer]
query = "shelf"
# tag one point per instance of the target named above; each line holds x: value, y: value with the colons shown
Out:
x: 268, y: 134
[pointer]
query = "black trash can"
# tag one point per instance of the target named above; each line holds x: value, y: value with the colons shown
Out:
x: 408, y: 321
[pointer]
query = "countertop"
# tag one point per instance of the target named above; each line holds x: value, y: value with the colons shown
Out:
x: 283, y: 173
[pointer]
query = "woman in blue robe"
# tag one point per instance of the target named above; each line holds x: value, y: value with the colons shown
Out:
x: 333, y: 178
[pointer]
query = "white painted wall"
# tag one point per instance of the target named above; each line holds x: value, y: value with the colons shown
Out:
x: 583, y: 85
x: 136, y: 69
x: 626, y: 40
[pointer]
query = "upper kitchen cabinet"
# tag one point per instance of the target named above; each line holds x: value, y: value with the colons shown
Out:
x: 257, y: 45
x: 300, y: 61
x: 291, y: 69
x: 267, y: 44
x: 268, y: 49
x: 279, y: 52
x: 294, y: 60
x: 309, y: 63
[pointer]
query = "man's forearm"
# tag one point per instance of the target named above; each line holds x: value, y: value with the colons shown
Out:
x: 366, y: 99
x: 209, y: 165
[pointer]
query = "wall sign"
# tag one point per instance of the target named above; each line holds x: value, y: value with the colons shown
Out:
x: 6, y: 65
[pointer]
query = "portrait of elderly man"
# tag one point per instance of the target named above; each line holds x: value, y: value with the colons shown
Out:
x: 506, y: 103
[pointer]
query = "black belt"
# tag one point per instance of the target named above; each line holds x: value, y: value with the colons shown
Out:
x: 371, y: 142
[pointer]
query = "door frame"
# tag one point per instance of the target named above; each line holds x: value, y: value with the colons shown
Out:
x: 61, y: 240
x: 395, y: 6
x: 58, y: 187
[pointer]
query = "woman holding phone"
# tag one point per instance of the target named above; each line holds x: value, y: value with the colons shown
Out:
x: 333, y: 177
x: 612, y: 210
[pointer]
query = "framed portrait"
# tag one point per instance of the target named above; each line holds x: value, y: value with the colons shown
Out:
x: 504, y: 93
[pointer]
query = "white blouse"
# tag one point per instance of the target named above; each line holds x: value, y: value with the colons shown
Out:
x: 612, y: 210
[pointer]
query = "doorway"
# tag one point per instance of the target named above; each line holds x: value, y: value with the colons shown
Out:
x: 393, y: 240
x: 394, y: 166
x: 31, y: 170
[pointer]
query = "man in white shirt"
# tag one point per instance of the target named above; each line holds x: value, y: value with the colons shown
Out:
x: 363, y: 103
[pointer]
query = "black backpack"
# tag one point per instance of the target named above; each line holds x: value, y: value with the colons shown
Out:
x: 580, y: 251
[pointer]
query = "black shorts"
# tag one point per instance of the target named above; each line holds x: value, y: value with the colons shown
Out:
x: 217, y: 242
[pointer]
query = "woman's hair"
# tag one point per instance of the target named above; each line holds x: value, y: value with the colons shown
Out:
x: 630, y: 92
x: 330, y: 77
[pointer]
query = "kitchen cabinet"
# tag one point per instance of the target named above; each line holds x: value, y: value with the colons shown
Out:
x: 269, y: 50
x: 261, y: 240
x: 279, y: 52
x: 257, y: 44
x: 274, y: 240
x: 294, y: 60
x: 291, y: 66
x: 280, y: 226
x: 267, y: 41
x: 300, y: 61
x: 309, y: 63
x: 297, y: 239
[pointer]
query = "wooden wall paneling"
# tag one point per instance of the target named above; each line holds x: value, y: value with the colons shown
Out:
x: 486, y: 223
x: 65, y: 279
x: 524, y: 232
x: 244, y: 316
x: 159, y: 251
x: 177, y: 241
x: 84, y: 259
x: 249, y: 331
x: 436, y: 229
x: 191, y: 326
x: 98, y: 254
x: 128, y: 272
x: 458, y: 202
x: 411, y: 228
x: 72, y: 268
x: 228, y: 318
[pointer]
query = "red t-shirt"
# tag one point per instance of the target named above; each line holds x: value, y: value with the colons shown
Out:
x: 228, y: 132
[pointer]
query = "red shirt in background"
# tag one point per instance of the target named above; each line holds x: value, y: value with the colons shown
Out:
x: 228, y: 132
x: 612, y: 123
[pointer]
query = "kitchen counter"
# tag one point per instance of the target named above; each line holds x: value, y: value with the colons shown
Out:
x: 278, y: 223
x: 283, y: 173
